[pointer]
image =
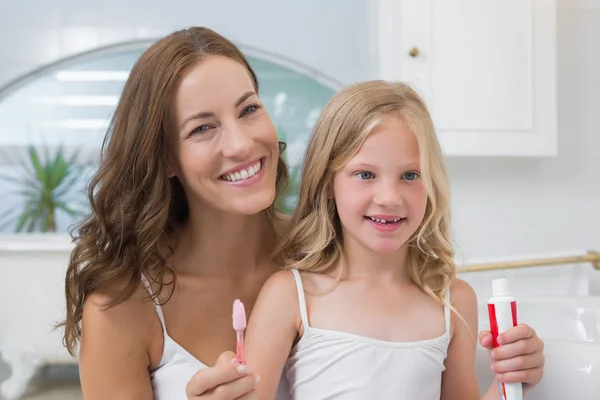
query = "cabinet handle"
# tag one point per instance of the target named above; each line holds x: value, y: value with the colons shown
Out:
x: 414, y: 52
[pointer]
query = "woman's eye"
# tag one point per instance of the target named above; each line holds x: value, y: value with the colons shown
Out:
x: 411, y: 176
x: 201, y: 129
x: 364, y: 175
x: 250, y: 109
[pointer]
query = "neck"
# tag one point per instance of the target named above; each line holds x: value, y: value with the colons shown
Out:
x: 216, y: 243
x: 359, y: 262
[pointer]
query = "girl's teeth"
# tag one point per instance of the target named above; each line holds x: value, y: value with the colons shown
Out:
x: 383, y: 221
x: 243, y: 174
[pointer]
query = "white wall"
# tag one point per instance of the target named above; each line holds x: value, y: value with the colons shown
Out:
x: 510, y: 207
x: 326, y: 35
x: 502, y: 207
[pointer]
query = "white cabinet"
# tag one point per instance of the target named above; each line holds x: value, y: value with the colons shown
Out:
x: 487, y: 69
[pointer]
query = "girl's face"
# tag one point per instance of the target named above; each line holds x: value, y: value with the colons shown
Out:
x: 379, y: 195
x: 227, y: 148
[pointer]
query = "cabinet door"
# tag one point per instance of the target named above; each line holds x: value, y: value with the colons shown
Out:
x: 487, y: 69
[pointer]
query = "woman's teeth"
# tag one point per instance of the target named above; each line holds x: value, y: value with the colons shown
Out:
x: 244, y: 173
x: 385, y: 221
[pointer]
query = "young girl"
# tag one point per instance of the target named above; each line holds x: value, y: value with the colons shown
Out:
x: 369, y: 307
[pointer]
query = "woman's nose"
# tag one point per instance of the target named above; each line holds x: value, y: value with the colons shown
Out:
x: 235, y: 142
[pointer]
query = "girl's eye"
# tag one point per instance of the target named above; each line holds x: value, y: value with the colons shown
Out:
x: 250, y: 109
x: 411, y: 176
x: 364, y: 175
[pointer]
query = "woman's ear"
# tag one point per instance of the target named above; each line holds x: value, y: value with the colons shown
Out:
x: 171, y: 167
x: 171, y: 171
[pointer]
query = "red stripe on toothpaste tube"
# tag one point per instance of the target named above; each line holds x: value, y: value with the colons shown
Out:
x: 502, y: 311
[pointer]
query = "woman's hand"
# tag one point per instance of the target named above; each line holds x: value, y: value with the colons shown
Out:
x: 225, y: 381
x: 520, y: 358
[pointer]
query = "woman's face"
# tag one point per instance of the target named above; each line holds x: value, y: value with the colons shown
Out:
x: 226, y: 151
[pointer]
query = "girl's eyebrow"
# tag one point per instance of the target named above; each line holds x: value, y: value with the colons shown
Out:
x: 412, y: 164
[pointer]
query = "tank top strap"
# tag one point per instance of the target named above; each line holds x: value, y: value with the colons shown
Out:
x: 159, y: 311
x: 447, y: 310
x: 301, y: 299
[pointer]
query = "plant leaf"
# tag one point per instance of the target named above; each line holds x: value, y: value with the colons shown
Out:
x: 25, y: 215
x: 7, y: 217
x: 35, y: 160
x: 65, y: 186
x: 20, y: 180
x: 68, y: 210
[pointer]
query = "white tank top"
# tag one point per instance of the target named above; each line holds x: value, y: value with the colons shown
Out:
x: 177, y: 366
x: 327, y: 364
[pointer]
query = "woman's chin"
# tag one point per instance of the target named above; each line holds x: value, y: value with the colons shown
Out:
x: 253, y: 204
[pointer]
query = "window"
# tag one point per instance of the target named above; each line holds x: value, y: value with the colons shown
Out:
x: 69, y: 104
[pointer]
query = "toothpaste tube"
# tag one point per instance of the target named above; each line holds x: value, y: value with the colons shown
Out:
x: 502, y: 311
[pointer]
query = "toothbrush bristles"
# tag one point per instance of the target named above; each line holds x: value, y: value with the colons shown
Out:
x: 239, y: 316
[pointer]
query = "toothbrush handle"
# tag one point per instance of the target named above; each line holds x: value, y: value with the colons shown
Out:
x: 240, y: 348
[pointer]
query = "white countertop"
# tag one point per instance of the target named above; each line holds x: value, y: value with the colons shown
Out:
x: 35, y: 242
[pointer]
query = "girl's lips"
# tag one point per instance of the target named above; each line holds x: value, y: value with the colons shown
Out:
x: 387, y: 226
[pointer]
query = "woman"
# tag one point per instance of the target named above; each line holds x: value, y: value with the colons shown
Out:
x: 183, y: 214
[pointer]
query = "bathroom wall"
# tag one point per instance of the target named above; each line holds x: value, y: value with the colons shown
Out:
x: 502, y: 207
x: 512, y: 207
x: 326, y: 35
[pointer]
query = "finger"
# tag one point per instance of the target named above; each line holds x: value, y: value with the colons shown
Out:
x: 516, y: 349
x: 210, y: 378
x: 521, y: 363
x: 529, y: 376
x: 233, y: 390
x: 485, y: 339
x: 516, y: 333
x: 226, y: 357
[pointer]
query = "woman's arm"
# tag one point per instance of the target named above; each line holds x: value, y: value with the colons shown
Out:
x: 114, y: 356
x: 459, y: 381
x: 273, y: 327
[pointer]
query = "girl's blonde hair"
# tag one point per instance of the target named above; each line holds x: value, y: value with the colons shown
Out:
x: 315, y: 237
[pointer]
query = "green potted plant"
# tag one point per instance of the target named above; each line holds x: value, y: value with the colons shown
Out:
x: 44, y: 185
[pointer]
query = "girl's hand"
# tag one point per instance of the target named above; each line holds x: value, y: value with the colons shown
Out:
x: 225, y: 381
x: 520, y: 358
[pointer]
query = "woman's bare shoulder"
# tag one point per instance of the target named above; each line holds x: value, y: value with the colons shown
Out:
x: 119, y: 344
x: 127, y: 328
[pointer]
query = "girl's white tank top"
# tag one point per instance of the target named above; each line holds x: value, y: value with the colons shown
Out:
x: 333, y: 365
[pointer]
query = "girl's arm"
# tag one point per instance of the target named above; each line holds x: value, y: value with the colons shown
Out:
x: 272, y: 329
x: 459, y: 381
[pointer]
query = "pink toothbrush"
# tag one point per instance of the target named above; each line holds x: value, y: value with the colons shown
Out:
x: 239, y: 325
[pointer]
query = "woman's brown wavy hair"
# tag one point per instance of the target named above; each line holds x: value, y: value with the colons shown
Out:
x: 135, y: 206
